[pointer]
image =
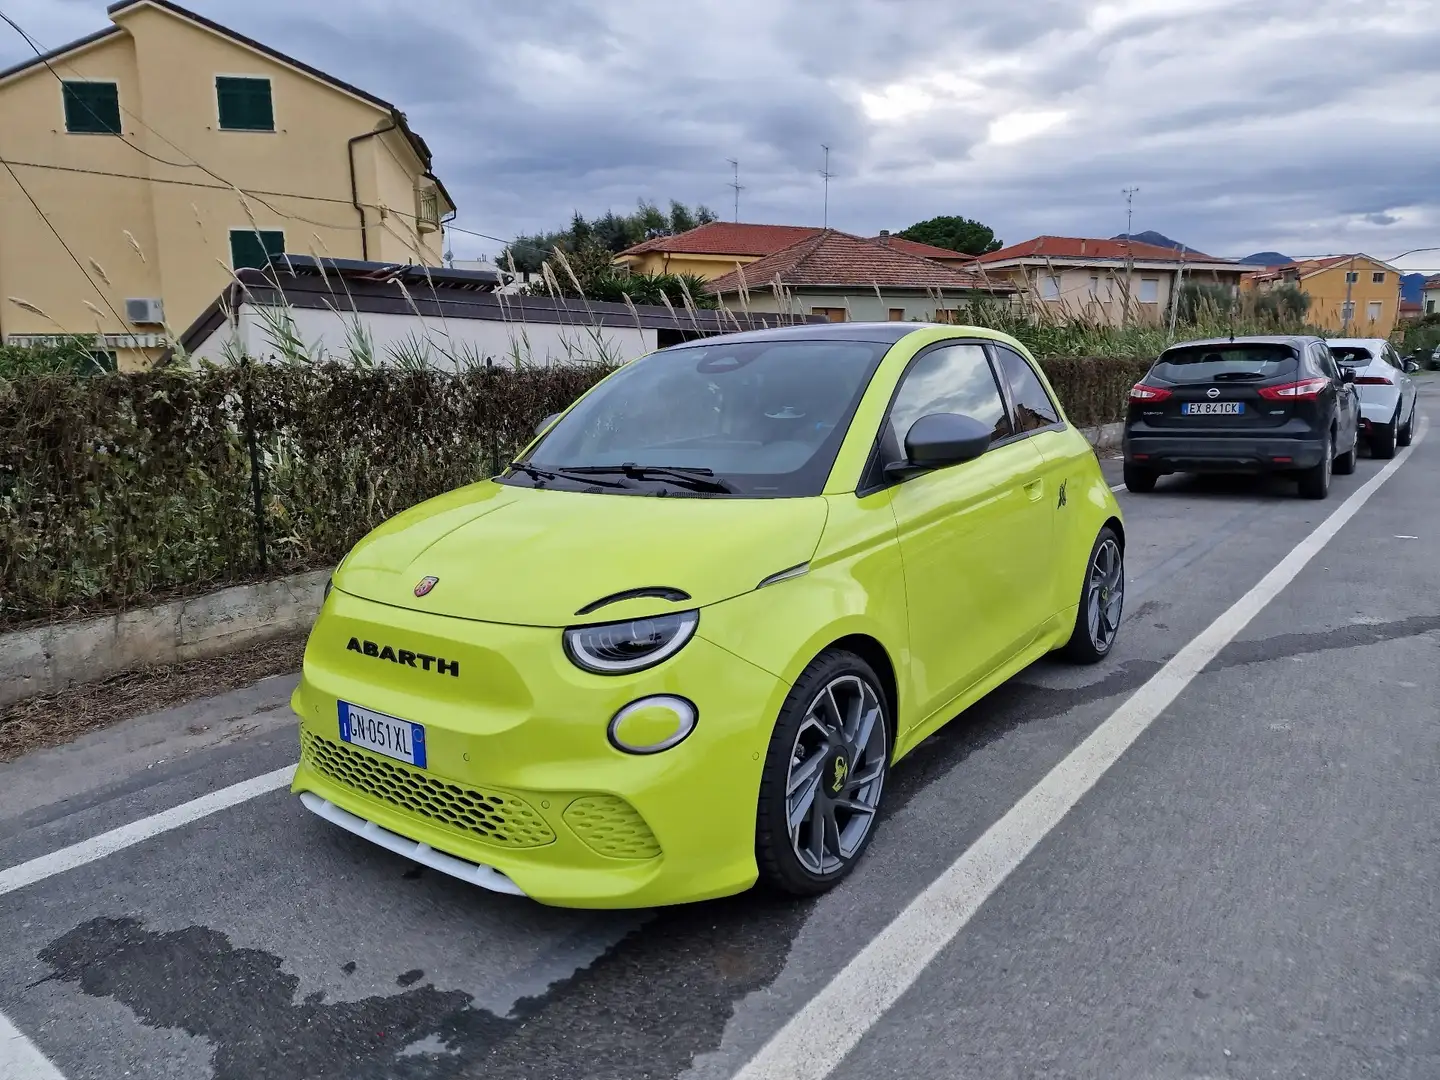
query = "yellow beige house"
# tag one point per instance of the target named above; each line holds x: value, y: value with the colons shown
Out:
x: 140, y: 165
x: 1349, y: 294
x: 712, y: 250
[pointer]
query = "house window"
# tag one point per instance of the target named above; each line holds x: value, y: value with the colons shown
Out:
x: 1352, y: 277
x: 1347, y: 310
x: 252, y: 249
x: 1049, y: 287
x: 91, y: 108
x: 948, y: 316
x: 1429, y: 307
x: 244, y: 104
x: 1373, y: 310
x: 897, y: 314
x: 1149, y: 290
x: 834, y: 314
x: 1378, y: 278
x: 1094, y: 286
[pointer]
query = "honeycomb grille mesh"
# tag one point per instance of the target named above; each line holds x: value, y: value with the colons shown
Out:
x: 489, y: 816
x: 610, y: 826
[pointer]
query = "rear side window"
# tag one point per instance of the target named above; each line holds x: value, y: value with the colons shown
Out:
x: 1354, y: 355
x: 1033, y: 407
x: 1224, y: 363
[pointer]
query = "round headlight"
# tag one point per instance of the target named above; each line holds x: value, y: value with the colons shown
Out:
x: 652, y: 724
x: 622, y: 647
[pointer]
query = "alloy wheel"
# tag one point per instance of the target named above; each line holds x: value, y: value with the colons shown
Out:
x: 837, y: 770
x: 1105, y: 596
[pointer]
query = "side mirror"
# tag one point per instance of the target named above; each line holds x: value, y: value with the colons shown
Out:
x: 540, y: 427
x: 1347, y: 375
x: 1411, y: 366
x: 941, y: 439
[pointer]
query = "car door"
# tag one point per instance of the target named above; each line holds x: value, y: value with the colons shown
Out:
x: 974, y: 537
x: 1347, y: 399
x: 1408, y: 389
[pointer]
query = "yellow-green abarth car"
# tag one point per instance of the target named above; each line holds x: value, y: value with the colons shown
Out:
x: 678, y: 645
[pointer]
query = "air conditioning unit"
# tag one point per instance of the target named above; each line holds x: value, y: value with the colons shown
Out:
x: 145, y: 310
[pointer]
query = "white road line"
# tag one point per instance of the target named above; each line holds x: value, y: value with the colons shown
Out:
x: 1117, y: 487
x: 816, y: 1039
x: 107, y: 843
x: 19, y: 1057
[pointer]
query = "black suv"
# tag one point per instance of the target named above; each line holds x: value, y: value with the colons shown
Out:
x: 1245, y: 404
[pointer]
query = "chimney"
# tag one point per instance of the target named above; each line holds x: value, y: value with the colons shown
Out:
x: 884, y: 232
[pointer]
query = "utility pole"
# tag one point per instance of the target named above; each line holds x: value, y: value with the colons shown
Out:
x: 825, y: 174
x: 736, y: 185
x: 1129, y: 194
x: 1349, y: 309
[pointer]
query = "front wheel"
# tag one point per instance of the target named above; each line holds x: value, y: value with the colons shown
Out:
x: 1345, y: 463
x: 1315, y: 481
x: 1102, y: 601
x: 824, y: 776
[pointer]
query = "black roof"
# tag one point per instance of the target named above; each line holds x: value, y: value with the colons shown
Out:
x: 1292, y: 340
x: 363, y: 270
x: 886, y: 333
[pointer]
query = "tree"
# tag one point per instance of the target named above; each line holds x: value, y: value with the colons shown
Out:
x: 956, y: 233
x: 612, y: 231
x: 1285, y: 303
x: 1203, y: 299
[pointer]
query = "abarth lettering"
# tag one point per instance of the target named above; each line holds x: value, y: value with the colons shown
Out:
x: 405, y: 656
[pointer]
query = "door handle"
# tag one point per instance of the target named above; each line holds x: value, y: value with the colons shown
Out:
x: 1035, y: 489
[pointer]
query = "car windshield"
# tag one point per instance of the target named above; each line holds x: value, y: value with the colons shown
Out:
x: 1354, y: 355
x: 756, y: 418
x: 1223, y: 363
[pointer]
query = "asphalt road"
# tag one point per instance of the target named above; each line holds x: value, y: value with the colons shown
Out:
x: 1250, y: 891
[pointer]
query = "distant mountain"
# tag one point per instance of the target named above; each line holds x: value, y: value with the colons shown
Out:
x: 1150, y: 236
x: 1267, y: 258
x: 1412, y: 286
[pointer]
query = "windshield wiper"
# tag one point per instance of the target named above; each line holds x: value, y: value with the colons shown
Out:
x: 696, y: 479
x: 540, y: 476
x: 1236, y: 376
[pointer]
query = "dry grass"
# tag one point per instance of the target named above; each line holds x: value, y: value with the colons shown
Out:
x: 54, y: 719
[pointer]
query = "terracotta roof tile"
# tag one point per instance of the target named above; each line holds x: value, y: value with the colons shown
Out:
x: 727, y: 238
x: 840, y: 259
x: 1076, y: 247
x: 914, y: 247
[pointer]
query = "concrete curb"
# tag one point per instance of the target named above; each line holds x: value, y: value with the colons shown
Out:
x: 1104, y: 437
x: 46, y: 659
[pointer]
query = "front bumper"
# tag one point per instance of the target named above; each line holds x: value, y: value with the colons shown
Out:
x: 1232, y: 453
x: 521, y: 780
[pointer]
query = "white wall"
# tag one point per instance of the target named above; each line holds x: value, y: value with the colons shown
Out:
x: 451, y: 341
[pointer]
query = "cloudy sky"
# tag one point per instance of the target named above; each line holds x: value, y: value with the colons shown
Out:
x: 1304, y: 126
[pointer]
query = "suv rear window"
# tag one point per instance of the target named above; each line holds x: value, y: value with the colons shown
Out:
x: 1222, y: 363
x: 1352, y: 354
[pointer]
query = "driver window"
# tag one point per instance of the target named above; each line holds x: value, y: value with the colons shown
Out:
x: 952, y: 379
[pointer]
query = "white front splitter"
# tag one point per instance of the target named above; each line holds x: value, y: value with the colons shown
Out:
x: 487, y: 877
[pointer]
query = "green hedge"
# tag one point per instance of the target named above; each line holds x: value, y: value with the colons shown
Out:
x: 122, y: 488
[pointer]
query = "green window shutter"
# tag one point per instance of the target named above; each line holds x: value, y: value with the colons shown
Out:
x: 245, y: 104
x: 91, y: 108
x: 252, y: 249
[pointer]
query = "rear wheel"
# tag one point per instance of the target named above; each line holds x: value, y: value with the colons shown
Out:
x: 1345, y: 463
x: 1102, y: 601
x: 824, y: 775
x: 1407, y: 433
x: 1315, y: 481
x: 1138, y: 479
x: 1383, y: 437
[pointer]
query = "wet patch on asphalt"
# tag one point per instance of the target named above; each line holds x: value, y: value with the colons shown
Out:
x: 1281, y: 646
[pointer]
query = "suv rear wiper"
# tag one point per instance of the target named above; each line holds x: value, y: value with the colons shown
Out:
x: 696, y: 479
x: 1236, y: 376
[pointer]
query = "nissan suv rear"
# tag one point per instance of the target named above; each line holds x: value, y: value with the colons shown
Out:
x: 1246, y: 405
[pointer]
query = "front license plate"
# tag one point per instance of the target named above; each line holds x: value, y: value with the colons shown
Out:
x: 1212, y: 408
x: 388, y: 735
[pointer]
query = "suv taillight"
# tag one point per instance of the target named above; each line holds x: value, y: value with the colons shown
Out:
x: 1143, y: 392
x: 1304, y: 390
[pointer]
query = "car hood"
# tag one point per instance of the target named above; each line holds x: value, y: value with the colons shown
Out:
x: 537, y: 557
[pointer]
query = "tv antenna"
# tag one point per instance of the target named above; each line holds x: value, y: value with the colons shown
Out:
x: 825, y: 175
x: 1129, y: 194
x: 736, y: 185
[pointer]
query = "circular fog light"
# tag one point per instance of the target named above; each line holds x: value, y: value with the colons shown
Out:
x: 652, y: 724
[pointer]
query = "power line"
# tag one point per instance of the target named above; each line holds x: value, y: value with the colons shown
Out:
x: 79, y: 265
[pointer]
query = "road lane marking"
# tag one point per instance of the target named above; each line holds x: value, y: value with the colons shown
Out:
x: 117, y: 839
x: 20, y: 1059
x: 818, y: 1037
x: 1117, y: 487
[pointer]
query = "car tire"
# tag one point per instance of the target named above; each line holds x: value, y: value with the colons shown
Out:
x: 1406, y: 434
x: 1102, y: 601
x: 1140, y: 480
x: 1383, y: 438
x: 1345, y: 463
x: 806, y: 736
x: 1315, y: 481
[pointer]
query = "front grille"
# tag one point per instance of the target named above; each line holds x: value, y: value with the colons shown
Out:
x: 495, y: 818
x: 610, y: 826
